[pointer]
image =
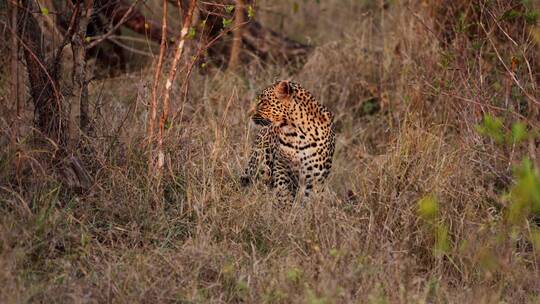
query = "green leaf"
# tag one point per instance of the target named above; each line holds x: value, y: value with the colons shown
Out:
x: 242, y: 288
x: 294, y: 275
x: 295, y: 7
x: 227, y: 22
x: 250, y: 12
x: 519, y: 132
x: 228, y: 269
x: 497, y: 86
x: 511, y: 15
x: 313, y: 298
x: 524, y: 196
x: 229, y: 8
x: 44, y: 11
x: 491, y: 127
x: 191, y: 33
x: 531, y: 17
x: 487, y: 260
x: 370, y: 106
x: 428, y: 207
x: 168, y: 124
x: 442, y: 244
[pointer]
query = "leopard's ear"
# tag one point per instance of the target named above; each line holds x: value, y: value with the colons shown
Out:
x: 283, y: 89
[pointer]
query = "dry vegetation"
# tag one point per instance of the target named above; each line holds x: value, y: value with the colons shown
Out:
x: 421, y: 204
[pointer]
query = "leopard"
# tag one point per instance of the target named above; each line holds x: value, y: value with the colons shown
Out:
x: 293, y: 150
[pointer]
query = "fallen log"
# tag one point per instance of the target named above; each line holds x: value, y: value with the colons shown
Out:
x: 213, y: 35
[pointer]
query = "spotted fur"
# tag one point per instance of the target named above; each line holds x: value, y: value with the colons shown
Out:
x: 294, y: 148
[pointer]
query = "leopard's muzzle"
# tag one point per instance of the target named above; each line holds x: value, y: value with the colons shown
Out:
x: 259, y: 120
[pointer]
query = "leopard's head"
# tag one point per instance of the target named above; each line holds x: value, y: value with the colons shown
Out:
x: 273, y: 104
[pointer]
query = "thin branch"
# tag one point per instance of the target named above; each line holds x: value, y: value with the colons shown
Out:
x: 170, y: 79
x: 69, y: 33
x: 185, y: 85
x: 500, y: 27
x: 157, y: 76
x: 125, y: 17
x: 516, y: 81
x: 127, y: 47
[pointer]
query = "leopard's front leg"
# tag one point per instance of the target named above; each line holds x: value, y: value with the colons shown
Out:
x: 261, y: 156
x: 284, y: 181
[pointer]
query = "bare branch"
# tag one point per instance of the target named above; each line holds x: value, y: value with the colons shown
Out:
x: 170, y: 79
x: 125, y: 16
x: 512, y: 75
x: 157, y: 76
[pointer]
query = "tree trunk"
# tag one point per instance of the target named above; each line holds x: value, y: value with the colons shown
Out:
x: 236, y: 45
x: 14, y: 61
x: 80, y: 84
x: 43, y: 79
x: 378, y: 35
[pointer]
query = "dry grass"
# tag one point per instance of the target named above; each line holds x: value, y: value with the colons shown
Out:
x: 206, y: 239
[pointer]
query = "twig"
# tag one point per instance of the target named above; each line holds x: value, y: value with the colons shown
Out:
x: 157, y: 76
x: 500, y: 27
x: 487, y: 105
x: 170, y: 79
x: 69, y: 33
x: 124, y: 18
x: 185, y: 85
x: 131, y: 49
x: 516, y: 81
x: 429, y: 29
x: 121, y: 126
x: 127, y: 38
